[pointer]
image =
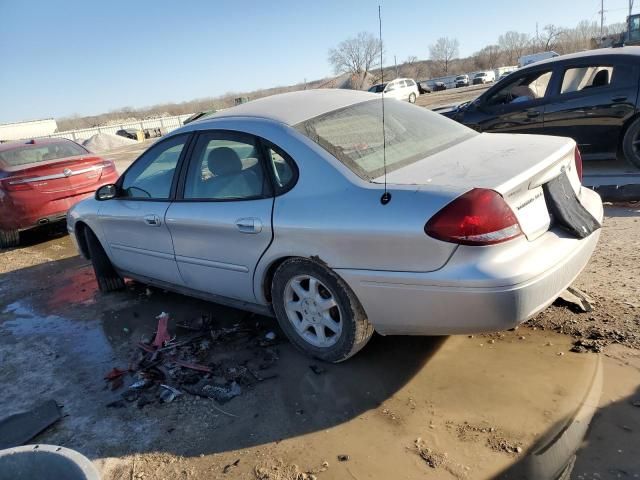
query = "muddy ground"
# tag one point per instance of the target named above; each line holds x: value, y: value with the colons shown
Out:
x: 457, y: 407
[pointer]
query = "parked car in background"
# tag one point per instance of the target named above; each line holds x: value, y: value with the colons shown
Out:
x: 424, y: 87
x: 438, y: 86
x: 400, y: 88
x: 504, y: 75
x: 131, y: 133
x: 282, y: 206
x: 40, y: 179
x: 591, y: 97
x: 462, y: 81
x: 484, y: 77
x: 198, y: 116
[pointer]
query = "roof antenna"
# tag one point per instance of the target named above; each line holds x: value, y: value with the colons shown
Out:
x: 386, y: 196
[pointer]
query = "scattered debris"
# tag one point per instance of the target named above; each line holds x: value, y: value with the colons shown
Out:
x: 168, y: 393
x: 227, y: 468
x: 317, y: 370
x: 578, y: 299
x: 115, y: 378
x: 208, y: 362
x: 282, y: 471
x: 431, y: 457
x: 18, y: 429
x: 162, y: 333
x: 343, y: 458
x: 586, y: 345
x: 499, y: 443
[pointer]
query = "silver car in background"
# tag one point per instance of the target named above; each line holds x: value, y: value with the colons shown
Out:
x: 278, y: 206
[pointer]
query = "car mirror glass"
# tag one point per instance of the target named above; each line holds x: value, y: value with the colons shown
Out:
x: 106, y: 192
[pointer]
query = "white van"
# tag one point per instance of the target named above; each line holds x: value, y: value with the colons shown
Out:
x: 484, y: 77
x: 400, y: 88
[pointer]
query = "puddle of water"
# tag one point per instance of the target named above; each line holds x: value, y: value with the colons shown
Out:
x: 84, y: 338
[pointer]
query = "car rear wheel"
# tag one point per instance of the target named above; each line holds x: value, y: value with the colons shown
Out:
x: 9, y: 238
x: 108, y: 279
x: 412, y: 98
x: 631, y: 144
x: 318, y: 311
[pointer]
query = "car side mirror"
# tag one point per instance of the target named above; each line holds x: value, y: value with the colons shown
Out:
x: 106, y: 192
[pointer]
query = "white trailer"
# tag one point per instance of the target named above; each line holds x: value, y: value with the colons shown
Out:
x: 535, y: 57
x: 26, y: 130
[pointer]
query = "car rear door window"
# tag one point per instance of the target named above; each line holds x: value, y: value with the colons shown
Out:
x: 597, y: 77
x: 151, y: 176
x: 577, y: 79
x: 282, y: 167
x: 226, y: 166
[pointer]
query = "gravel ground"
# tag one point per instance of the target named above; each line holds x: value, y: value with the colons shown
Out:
x: 611, y: 279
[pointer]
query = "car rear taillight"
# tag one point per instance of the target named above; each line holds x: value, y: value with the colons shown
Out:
x: 479, y: 217
x: 14, y: 184
x: 578, y: 161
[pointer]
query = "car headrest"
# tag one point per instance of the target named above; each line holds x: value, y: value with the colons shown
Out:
x: 224, y: 161
x: 601, y: 79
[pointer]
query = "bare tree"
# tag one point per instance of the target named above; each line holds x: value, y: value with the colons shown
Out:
x: 442, y: 52
x: 487, y: 58
x: 513, y: 45
x: 550, y: 37
x: 413, y: 68
x: 357, y: 56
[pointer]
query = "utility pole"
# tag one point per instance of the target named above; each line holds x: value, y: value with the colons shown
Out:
x: 396, y: 64
x: 601, y: 18
x: 629, y: 20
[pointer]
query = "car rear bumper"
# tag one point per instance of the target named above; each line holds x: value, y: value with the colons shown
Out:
x: 36, y: 212
x: 480, y: 289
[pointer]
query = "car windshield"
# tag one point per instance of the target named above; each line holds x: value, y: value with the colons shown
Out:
x: 481, y: 75
x: 354, y: 135
x: 34, y: 153
x: 378, y: 88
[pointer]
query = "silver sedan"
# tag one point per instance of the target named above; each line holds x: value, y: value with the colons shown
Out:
x: 309, y: 207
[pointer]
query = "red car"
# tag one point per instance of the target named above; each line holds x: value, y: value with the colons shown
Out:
x: 41, y: 179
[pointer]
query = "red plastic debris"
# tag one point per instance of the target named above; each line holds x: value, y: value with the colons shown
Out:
x: 162, y: 333
x: 192, y: 366
x: 114, y: 373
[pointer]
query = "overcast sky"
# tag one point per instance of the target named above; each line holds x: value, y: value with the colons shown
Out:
x: 86, y: 57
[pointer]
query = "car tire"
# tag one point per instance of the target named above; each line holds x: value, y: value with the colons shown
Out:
x: 324, y: 319
x: 9, y: 238
x: 412, y: 97
x: 631, y: 143
x: 107, y: 277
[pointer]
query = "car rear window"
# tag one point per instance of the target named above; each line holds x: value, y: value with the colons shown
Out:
x: 26, y: 154
x: 354, y: 135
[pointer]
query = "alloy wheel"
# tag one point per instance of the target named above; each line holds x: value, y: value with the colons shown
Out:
x: 312, y: 309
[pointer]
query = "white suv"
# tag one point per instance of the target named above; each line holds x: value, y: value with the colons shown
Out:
x: 400, y: 88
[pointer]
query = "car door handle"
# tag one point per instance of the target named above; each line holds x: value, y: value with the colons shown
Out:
x: 533, y: 113
x: 152, y: 220
x: 618, y: 99
x: 249, y: 225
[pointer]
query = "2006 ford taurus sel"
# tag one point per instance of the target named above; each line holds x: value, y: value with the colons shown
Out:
x: 277, y: 206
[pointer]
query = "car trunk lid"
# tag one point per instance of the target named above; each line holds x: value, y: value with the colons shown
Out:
x: 57, y: 176
x: 515, y: 166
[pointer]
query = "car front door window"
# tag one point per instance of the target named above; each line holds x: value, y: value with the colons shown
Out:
x: 521, y: 90
x: 226, y: 168
x: 151, y: 176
